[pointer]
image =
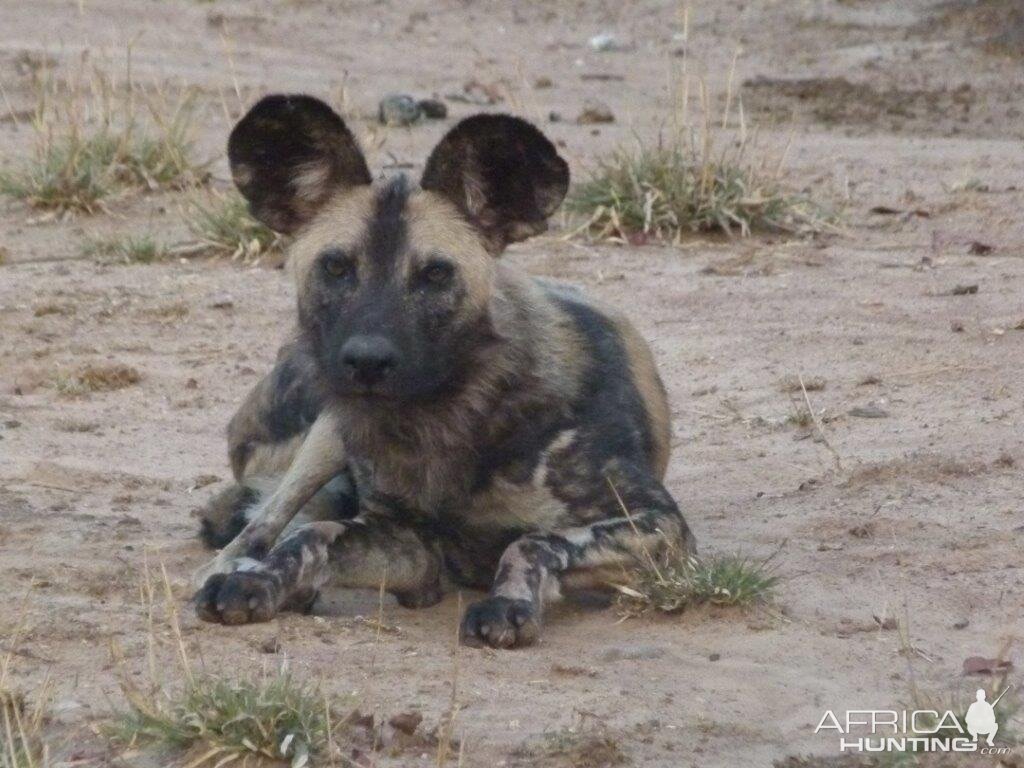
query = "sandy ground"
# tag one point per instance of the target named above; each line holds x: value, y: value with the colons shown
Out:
x: 917, y: 517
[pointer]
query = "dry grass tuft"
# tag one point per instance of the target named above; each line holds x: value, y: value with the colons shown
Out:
x: 270, y: 716
x: 21, y: 721
x: 21, y: 726
x: 92, y: 143
x: 666, y: 192
x: 224, y: 227
x: 128, y: 249
x: 675, y: 581
x: 583, y: 746
x: 97, y: 378
x: 795, y: 384
x: 273, y: 716
x: 704, y: 178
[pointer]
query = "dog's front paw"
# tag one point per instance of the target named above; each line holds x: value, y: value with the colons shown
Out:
x: 501, y: 622
x: 242, y: 597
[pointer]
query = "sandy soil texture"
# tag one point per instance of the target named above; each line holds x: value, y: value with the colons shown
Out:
x: 900, y: 548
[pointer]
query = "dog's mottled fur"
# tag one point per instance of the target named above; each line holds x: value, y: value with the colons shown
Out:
x: 501, y: 432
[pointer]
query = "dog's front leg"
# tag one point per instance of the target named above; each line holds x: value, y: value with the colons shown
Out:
x: 359, y: 553
x: 320, y: 458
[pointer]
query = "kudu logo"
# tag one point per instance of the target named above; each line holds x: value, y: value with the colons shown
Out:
x: 919, y: 730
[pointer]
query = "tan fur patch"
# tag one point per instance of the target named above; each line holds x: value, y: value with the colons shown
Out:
x: 652, y: 392
x: 435, y: 226
x: 340, y: 223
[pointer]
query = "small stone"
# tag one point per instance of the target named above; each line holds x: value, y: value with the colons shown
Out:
x: 714, y: 657
x: 68, y: 711
x: 399, y: 109
x: 595, y: 112
x: 406, y: 722
x: 604, y: 42
x: 222, y: 301
x: 433, y: 109
x: 555, y: 117
x: 962, y: 624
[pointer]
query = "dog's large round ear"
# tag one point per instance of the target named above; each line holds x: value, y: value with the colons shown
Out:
x: 502, y: 173
x: 288, y: 155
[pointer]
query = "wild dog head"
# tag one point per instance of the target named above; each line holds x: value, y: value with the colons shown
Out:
x: 394, y: 282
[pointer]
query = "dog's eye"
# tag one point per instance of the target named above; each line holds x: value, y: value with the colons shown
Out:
x: 437, y: 273
x: 337, y: 265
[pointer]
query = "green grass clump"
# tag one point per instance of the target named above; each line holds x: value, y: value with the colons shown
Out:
x: 275, y: 717
x: 223, y: 226
x: 666, y: 192
x: 247, y: 721
x: 128, y: 249
x: 677, y: 581
x: 91, y: 144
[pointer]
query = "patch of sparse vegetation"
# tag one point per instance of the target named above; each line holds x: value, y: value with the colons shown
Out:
x: 583, y: 746
x: 675, y: 581
x: 21, y: 725
x: 97, y: 378
x: 796, y: 384
x: 272, y: 716
x: 801, y: 416
x: 21, y: 720
x: 92, y: 143
x: 224, y: 227
x: 53, y: 308
x: 130, y: 249
x: 668, y: 191
x: 704, y: 178
x: 997, y: 26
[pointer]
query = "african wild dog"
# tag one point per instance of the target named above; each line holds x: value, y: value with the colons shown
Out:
x: 440, y: 413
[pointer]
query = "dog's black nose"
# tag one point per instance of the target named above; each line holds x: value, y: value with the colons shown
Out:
x: 368, y: 359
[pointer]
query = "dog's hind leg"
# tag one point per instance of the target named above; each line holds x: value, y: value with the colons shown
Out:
x: 361, y: 553
x: 532, y: 567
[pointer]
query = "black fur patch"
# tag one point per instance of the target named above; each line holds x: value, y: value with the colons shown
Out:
x: 386, y: 236
x: 502, y: 173
x: 277, y: 150
x: 614, y: 443
x: 296, y: 399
